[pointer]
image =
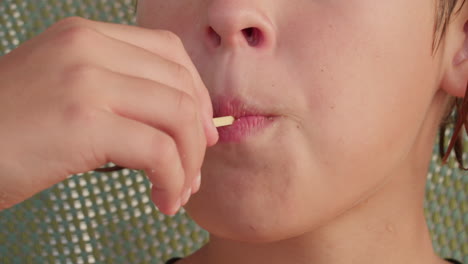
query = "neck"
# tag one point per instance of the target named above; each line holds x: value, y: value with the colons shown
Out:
x: 388, y: 227
x: 383, y: 229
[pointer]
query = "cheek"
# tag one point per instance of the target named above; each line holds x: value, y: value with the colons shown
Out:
x: 371, y: 79
x: 369, y: 83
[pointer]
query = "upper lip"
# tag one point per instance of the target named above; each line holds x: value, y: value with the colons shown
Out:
x: 236, y: 107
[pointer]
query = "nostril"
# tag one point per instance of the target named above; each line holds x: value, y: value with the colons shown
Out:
x: 214, y: 37
x: 252, y: 35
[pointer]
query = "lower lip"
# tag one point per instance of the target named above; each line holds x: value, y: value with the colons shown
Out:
x: 244, y: 127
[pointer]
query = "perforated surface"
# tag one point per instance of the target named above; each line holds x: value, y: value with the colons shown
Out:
x: 108, y: 218
x: 95, y: 218
x: 446, y: 207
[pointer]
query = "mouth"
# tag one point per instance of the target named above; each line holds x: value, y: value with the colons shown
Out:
x: 249, y: 120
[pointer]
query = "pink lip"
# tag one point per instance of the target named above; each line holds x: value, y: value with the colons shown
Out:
x: 249, y: 120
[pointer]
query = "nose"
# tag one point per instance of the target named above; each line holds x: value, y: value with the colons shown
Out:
x: 238, y: 24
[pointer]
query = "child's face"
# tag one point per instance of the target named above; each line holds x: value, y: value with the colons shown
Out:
x: 351, y: 82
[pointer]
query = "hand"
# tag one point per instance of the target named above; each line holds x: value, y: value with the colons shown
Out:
x: 84, y: 93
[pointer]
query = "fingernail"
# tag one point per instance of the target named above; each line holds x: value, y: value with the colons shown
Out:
x: 212, y: 125
x: 176, y: 207
x: 186, y: 196
x: 196, y: 184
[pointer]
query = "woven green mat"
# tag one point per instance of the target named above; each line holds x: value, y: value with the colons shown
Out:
x: 109, y: 218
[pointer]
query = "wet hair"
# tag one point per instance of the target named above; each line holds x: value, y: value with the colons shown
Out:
x: 456, y: 116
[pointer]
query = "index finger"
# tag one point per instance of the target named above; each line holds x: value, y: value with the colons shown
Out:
x: 167, y: 45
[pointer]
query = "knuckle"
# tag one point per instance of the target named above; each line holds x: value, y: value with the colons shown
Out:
x: 76, y: 37
x: 170, y: 37
x: 79, y: 81
x: 70, y: 21
x: 175, y: 45
x: 184, y: 77
x: 165, y: 149
x: 186, y: 107
x: 79, y: 112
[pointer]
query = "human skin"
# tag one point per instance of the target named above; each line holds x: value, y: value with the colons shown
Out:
x: 357, y: 92
x: 84, y: 93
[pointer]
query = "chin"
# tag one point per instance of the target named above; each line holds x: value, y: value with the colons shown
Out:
x: 252, y: 223
x: 244, y: 207
x: 244, y: 224
x: 263, y: 190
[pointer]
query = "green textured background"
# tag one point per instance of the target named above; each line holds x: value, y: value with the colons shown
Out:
x: 108, y: 218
